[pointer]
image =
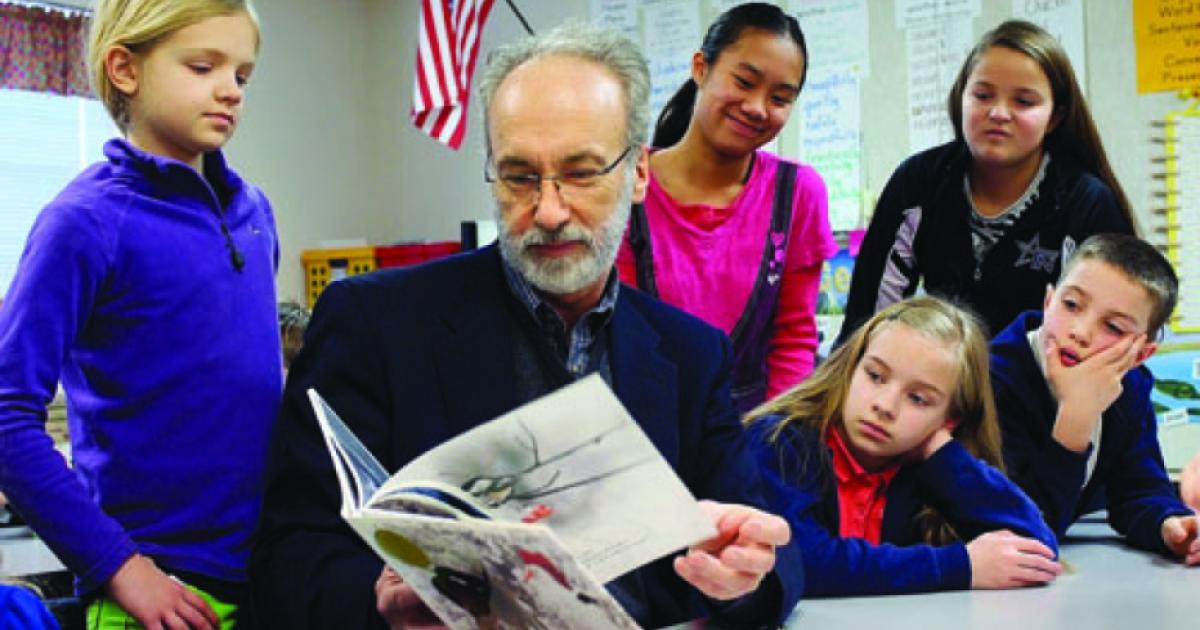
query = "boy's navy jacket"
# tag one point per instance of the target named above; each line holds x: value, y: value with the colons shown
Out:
x: 972, y: 496
x: 1129, y: 468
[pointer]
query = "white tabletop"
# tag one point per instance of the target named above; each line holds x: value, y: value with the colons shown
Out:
x: 23, y: 554
x: 1112, y: 586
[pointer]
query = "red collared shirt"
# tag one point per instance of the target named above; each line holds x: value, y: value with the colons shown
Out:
x: 861, y: 494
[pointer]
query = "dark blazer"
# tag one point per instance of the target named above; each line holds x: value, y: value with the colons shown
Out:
x: 412, y: 357
x: 1129, y: 474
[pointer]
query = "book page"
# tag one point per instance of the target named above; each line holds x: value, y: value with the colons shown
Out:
x: 575, y: 461
x: 359, y: 474
x: 474, y: 573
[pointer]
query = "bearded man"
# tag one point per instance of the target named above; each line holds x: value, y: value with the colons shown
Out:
x: 412, y: 357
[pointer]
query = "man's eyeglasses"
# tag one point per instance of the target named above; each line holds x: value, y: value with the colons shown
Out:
x: 521, y: 185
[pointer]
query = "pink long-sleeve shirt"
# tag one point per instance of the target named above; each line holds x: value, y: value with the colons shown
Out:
x: 706, y: 260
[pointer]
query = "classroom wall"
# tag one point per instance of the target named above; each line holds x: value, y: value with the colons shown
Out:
x: 306, y: 137
x: 326, y: 132
x: 435, y: 187
x: 1122, y: 116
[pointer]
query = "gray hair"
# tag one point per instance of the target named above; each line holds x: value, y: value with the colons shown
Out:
x: 577, y: 39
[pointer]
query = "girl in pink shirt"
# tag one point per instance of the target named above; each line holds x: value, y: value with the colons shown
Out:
x: 729, y: 232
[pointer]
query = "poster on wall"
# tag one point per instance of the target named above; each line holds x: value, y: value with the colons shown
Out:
x: 1176, y: 396
x: 831, y: 141
x: 836, y: 33
x: 673, y: 33
x: 910, y: 13
x: 1166, y: 38
x: 1064, y: 20
x: 619, y: 15
x: 935, y: 53
x: 829, y: 111
x: 835, y: 290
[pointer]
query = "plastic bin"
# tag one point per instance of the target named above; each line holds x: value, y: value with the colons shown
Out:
x: 322, y: 266
x: 413, y: 253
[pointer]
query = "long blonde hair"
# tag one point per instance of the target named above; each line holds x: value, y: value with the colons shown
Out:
x: 139, y: 25
x: 818, y: 402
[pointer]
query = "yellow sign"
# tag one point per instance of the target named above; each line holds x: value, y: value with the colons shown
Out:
x: 1166, y: 34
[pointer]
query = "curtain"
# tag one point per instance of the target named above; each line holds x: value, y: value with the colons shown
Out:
x: 43, y: 50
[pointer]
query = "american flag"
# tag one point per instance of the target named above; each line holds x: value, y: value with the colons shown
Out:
x: 449, y: 45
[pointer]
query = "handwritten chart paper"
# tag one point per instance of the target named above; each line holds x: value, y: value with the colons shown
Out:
x: 831, y: 141
x: 672, y: 34
x: 619, y: 15
x: 1064, y: 20
x: 910, y: 13
x: 936, y: 51
x: 836, y: 33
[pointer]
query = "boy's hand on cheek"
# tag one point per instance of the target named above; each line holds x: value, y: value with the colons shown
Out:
x: 1182, y: 536
x: 1085, y: 390
x: 1095, y: 382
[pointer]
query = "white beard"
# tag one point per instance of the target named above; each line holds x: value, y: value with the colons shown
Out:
x: 563, y: 276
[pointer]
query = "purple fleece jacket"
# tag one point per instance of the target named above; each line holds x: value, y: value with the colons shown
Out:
x: 169, y: 354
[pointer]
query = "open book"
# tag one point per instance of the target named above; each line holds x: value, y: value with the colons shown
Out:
x: 519, y: 522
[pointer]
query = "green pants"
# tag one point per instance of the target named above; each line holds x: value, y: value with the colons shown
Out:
x: 105, y: 614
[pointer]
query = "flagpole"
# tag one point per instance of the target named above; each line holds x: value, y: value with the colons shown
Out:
x: 520, y: 17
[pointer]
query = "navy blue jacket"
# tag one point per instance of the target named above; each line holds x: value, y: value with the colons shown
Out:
x: 412, y: 357
x: 920, y: 236
x: 1129, y: 468
x: 972, y: 496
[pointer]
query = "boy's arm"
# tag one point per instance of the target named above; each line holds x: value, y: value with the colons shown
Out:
x: 1140, y: 495
x: 1086, y: 389
x: 1049, y: 473
x: 51, y: 298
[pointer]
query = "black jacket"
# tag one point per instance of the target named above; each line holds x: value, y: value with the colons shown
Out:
x: 920, y: 235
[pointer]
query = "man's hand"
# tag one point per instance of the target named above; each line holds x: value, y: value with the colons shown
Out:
x: 736, y: 560
x: 157, y: 600
x: 1003, y: 559
x: 399, y: 605
x: 1189, y: 483
x: 1180, y: 533
x: 1085, y: 390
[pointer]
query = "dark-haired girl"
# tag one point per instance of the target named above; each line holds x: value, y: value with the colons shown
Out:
x: 989, y: 218
x: 729, y: 232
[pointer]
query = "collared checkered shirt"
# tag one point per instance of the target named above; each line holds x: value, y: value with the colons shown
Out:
x: 573, y: 348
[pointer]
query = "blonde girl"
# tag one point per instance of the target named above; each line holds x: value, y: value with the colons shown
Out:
x: 147, y: 288
x: 886, y: 464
